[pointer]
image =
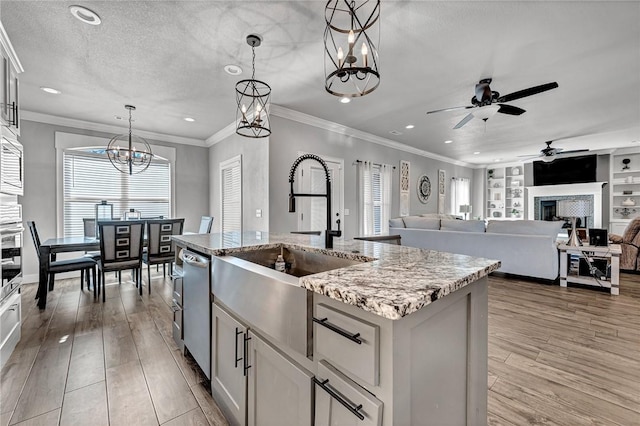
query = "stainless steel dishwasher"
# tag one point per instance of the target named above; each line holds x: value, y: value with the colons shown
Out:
x: 196, y: 316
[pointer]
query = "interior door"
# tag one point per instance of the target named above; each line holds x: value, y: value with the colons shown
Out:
x: 312, y: 215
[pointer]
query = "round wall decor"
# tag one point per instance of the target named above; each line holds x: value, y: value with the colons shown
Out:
x: 424, y: 189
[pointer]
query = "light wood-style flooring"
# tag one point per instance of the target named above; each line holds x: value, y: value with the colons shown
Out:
x: 557, y: 356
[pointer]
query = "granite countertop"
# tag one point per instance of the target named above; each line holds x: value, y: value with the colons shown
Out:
x: 393, y: 281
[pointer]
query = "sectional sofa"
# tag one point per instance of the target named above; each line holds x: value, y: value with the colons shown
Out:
x: 525, y: 247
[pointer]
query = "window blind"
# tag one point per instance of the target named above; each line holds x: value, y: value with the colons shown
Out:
x: 89, y: 177
x: 231, y: 201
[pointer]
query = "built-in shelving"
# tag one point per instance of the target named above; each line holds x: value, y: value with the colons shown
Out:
x: 625, y: 188
x: 505, y: 192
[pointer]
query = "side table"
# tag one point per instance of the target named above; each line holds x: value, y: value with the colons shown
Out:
x: 610, y: 253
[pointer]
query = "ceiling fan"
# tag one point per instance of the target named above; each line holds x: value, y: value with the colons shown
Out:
x: 549, y: 153
x: 484, y: 97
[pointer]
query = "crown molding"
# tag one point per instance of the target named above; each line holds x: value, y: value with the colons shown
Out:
x: 8, y: 47
x: 106, y: 128
x: 310, y: 120
x: 221, y: 135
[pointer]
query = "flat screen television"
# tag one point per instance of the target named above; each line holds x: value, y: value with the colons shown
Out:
x: 581, y: 169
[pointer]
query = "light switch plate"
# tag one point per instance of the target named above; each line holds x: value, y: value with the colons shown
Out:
x: 258, y: 212
x: 346, y: 212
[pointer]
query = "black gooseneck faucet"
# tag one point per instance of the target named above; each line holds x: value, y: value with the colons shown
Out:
x: 329, y: 233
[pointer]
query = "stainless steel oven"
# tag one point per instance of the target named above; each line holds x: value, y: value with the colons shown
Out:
x: 11, y: 167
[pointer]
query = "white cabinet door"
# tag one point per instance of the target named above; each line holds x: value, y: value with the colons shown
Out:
x: 280, y: 391
x: 228, y: 361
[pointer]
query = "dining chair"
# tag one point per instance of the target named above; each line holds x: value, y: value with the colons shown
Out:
x: 161, y: 248
x: 82, y: 264
x: 205, y: 225
x: 120, y: 249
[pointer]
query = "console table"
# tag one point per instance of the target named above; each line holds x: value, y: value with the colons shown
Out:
x: 610, y: 253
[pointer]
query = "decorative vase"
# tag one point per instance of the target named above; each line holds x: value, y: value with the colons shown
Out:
x: 629, y: 202
x: 515, y: 171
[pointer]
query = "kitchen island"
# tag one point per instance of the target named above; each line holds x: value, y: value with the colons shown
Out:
x: 398, y: 337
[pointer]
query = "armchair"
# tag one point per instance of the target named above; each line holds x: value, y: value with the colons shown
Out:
x: 630, y: 244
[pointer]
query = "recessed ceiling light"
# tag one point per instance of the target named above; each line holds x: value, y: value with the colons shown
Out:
x: 189, y: 119
x: 395, y: 132
x: 345, y: 100
x: 409, y: 126
x: 50, y: 90
x: 85, y: 15
x: 448, y: 141
x: 233, y: 69
x: 476, y: 153
x: 497, y: 160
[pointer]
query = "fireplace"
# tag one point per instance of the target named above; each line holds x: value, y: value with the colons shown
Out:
x: 542, y: 202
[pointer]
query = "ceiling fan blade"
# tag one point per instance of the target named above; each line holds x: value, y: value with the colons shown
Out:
x: 510, y: 109
x: 527, y: 92
x: 464, y: 121
x: 573, y: 151
x: 451, y: 109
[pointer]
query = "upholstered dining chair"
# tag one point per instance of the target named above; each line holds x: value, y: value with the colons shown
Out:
x: 82, y: 264
x: 205, y: 225
x: 160, y: 247
x: 630, y: 243
x: 121, y: 246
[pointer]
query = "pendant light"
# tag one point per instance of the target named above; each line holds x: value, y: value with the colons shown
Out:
x: 129, y: 153
x: 351, y: 38
x: 252, y: 98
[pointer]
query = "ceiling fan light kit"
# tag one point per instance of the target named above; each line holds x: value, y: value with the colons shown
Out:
x: 351, y: 37
x: 252, y: 99
x: 490, y: 102
x: 135, y: 154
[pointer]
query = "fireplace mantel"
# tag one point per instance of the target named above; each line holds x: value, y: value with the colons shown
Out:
x: 592, y: 188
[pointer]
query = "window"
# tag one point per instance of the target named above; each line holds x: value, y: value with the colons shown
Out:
x: 460, y: 194
x: 89, y: 177
x: 374, y: 198
x: 231, y: 201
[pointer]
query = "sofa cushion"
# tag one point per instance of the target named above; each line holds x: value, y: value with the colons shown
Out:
x: 525, y: 227
x: 462, y: 225
x: 421, y: 222
x: 396, y: 222
x: 440, y: 216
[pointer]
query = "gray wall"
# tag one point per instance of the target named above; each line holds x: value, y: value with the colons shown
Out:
x: 39, y: 203
x: 288, y: 137
x: 255, y: 179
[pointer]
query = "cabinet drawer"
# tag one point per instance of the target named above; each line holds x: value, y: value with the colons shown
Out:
x: 10, y: 318
x: 347, y: 341
x: 341, y: 401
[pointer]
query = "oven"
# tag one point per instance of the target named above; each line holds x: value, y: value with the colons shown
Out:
x: 11, y: 167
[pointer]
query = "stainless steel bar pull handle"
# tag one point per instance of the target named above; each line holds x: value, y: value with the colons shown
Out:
x: 325, y: 323
x: 238, y: 332
x: 246, y: 365
x: 353, y: 409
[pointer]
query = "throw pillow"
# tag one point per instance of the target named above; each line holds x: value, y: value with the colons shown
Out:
x: 396, y: 222
x: 421, y: 222
x: 462, y: 225
x: 525, y: 227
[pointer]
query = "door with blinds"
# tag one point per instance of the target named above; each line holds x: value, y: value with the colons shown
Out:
x: 231, y: 201
x: 312, y: 214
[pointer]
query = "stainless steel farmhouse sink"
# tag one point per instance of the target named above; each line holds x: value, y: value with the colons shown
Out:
x: 299, y: 262
x: 272, y: 301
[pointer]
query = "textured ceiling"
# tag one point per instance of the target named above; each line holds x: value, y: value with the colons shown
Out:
x: 167, y: 58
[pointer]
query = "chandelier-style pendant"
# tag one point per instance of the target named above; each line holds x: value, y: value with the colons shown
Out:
x: 351, y: 38
x: 129, y: 153
x: 252, y: 98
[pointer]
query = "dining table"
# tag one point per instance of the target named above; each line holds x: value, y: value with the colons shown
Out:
x: 49, y: 249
